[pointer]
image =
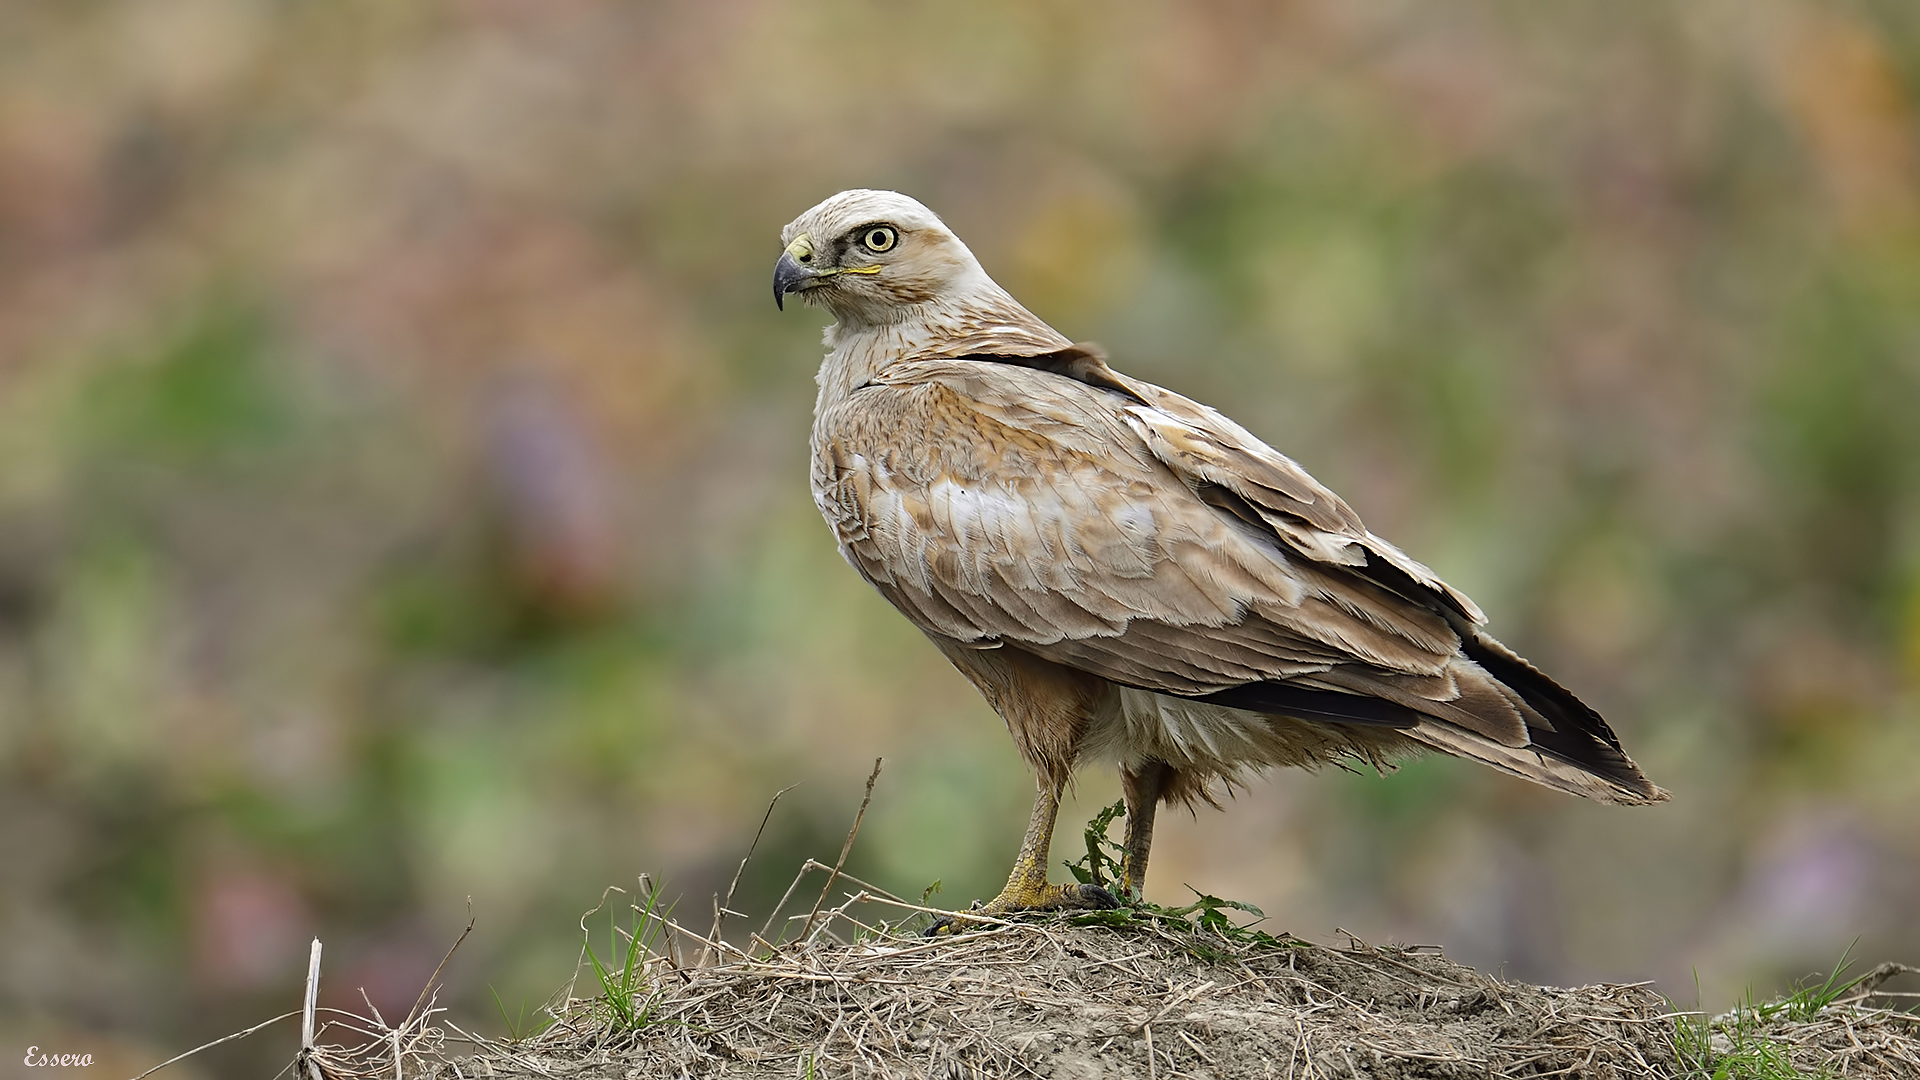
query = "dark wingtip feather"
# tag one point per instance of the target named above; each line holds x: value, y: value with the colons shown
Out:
x: 1578, y: 735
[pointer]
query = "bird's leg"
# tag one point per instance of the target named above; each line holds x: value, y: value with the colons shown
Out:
x: 1027, y: 888
x: 1142, y: 787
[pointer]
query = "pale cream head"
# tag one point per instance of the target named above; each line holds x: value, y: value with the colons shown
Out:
x: 874, y: 257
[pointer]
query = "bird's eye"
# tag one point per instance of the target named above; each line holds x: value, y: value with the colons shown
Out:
x: 879, y: 238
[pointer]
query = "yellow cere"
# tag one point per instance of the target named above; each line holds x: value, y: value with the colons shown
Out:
x: 802, y: 250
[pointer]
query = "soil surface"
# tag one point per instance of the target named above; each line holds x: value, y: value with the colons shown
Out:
x: 1082, y: 1002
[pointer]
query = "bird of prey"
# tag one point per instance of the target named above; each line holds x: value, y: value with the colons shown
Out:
x: 1125, y: 574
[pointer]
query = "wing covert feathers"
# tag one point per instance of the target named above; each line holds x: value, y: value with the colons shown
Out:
x: 1036, y: 499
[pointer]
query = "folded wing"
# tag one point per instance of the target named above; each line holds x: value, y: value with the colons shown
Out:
x: 1114, y: 526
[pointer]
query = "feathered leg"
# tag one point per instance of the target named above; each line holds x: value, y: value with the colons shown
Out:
x: 1142, y: 787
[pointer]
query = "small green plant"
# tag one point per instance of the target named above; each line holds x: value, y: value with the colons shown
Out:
x: 625, y: 997
x: 515, y: 1025
x: 1807, y: 999
x: 1208, y: 914
x: 1749, y: 1053
x: 1101, y: 863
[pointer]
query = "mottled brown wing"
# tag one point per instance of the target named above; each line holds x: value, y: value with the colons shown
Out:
x: 1139, y: 536
x: 995, y: 503
x: 1231, y: 469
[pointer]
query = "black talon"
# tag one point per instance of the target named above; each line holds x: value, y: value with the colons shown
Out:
x: 1097, y: 898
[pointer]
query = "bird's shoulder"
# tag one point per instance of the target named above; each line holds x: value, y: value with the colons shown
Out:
x: 951, y: 408
x: 997, y: 413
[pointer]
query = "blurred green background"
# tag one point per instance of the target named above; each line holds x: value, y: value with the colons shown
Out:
x: 403, y: 469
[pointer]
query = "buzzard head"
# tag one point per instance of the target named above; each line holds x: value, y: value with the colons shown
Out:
x: 872, y: 257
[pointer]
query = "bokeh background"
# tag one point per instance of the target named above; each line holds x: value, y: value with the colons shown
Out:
x: 402, y: 467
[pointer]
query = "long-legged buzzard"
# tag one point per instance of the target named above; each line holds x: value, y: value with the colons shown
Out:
x: 1125, y: 574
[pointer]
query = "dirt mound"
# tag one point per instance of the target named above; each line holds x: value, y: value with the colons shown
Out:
x: 1139, y: 992
x: 1054, y: 1000
x: 1142, y: 992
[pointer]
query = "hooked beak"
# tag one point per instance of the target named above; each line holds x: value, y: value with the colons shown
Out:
x: 789, y: 276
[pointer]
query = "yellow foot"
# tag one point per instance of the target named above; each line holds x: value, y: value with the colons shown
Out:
x: 1014, y: 901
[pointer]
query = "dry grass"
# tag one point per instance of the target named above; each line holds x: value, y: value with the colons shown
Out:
x: 1149, y: 996
x: 1138, y: 994
x: 1143, y: 994
x: 1821, y: 1029
x: 1844, y: 1040
x: 1147, y: 999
